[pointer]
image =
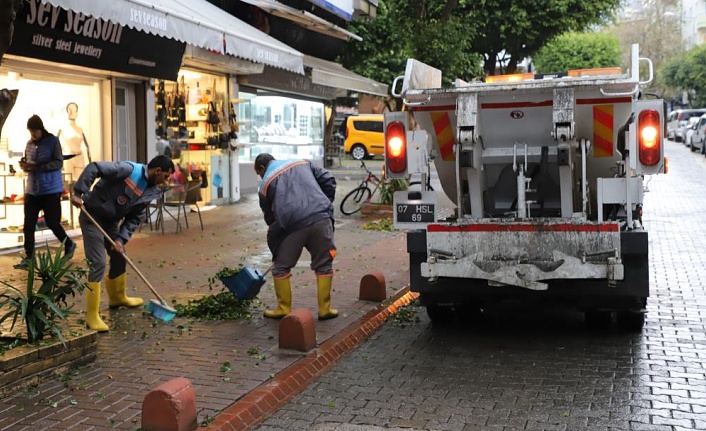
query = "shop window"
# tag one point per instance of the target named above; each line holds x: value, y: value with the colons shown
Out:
x: 70, y: 108
x: 279, y: 125
x: 191, y: 126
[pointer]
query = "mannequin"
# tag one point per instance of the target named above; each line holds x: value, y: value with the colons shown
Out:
x: 74, y: 142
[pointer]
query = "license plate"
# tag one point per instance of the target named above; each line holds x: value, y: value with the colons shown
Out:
x: 415, y: 210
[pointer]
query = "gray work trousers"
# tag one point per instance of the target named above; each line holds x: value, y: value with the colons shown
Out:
x: 96, y: 246
x: 317, y: 239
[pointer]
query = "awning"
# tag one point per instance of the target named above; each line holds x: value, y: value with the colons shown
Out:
x: 305, y: 18
x: 334, y: 75
x: 195, y: 22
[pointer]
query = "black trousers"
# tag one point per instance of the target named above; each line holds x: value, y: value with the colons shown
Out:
x: 51, y: 206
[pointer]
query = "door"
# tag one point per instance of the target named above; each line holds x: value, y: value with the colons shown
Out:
x: 125, y: 122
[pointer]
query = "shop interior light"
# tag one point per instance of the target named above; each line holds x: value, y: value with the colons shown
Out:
x: 189, y: 75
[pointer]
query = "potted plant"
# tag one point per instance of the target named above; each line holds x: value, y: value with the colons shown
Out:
x: 389, y: 187
x: 42, y: 303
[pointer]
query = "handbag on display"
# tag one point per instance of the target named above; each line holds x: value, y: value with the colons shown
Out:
x: 213, y: 117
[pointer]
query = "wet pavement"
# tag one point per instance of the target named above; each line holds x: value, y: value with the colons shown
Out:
x: 523, y: 367
x: 140, y: 352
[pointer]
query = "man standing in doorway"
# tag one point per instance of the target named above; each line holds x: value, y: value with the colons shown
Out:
x: 42, y: 162
x: 296, y: 198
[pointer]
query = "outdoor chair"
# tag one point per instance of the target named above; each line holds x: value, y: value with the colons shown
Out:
x: 182, y: 199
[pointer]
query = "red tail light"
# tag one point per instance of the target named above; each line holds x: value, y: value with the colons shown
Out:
x: 396, y: 148
x: 649, y: 137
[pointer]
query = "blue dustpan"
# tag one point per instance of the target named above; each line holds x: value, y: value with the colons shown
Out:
x: 246, y: 284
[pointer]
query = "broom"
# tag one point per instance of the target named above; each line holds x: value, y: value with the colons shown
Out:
x: 158, y: 309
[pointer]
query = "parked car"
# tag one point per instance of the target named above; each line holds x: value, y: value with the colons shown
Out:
x: 364, y: 136
x: 677, y: 122
x: 690, y: 128
x: 698, y: 136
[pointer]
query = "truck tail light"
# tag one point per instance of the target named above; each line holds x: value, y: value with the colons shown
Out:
x: 396, y: 148
x: 649, y: 139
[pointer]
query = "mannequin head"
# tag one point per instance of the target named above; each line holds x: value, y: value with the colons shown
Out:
x: 72, y: 110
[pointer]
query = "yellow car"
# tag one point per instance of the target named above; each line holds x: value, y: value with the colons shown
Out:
x: 364, y: 136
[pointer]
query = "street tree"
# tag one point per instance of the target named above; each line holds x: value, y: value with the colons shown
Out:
x: 578, y: 51
x: 656, y: 27
x: 465, y: 38
x: 687, y: 73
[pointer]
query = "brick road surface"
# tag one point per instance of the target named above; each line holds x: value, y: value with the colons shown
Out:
x: 525, y: 368
x: 140, y: 353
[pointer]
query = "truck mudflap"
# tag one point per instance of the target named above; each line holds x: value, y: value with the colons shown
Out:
x: 524, y: 253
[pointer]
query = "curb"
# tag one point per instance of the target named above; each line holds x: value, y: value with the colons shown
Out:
x: 253, y: 408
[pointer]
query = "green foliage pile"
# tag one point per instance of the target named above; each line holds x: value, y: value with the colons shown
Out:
x: 221, y: 306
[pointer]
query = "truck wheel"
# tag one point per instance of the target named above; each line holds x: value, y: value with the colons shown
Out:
x: 598, y: 319
x: 439, y: 314
x: 631, y: 321
x: 359, y: 152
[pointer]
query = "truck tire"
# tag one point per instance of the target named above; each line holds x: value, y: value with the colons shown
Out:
x: 598, y: 319
x: 631, y: 321
x: 440, y: 314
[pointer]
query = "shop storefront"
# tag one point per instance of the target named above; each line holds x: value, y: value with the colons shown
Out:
x: 192, y: 126
x: 68, y: 70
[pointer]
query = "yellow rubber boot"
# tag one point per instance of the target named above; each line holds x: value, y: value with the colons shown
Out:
x: 323, y: 290
x: 283, y: 290
x: 116, y: 293
x: 93, y: 305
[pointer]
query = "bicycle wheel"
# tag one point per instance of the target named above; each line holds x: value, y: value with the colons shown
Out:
x: 353, y: 201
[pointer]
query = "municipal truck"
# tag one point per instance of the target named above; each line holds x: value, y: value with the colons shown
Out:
x: 547, y: 176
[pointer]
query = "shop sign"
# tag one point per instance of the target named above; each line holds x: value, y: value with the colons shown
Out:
x: 282, y: 80
x: 48, y: 32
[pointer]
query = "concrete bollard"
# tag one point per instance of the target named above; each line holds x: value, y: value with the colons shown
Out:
x: 170, y: 406
x: 372, y: 287
x: 296, y: 331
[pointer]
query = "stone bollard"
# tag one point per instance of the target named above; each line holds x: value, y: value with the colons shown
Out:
x: 372, y: 287
x: 170, y: 406
x: 296, y: 331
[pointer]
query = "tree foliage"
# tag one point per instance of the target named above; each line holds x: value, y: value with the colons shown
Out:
x: 688, y: 72
x: 578, y: 51
x: 463, y: 37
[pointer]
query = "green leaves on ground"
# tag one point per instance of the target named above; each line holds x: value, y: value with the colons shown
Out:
x: 382, y: 225
x: 221, y: 306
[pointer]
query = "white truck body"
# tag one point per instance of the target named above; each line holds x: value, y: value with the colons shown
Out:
x: 547, y: 177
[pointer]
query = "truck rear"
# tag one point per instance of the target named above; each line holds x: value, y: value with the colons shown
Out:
x: 547, y: 177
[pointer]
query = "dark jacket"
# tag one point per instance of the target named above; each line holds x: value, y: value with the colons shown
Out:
x: 295, y: 194
x: 46, y: 155
x: 122, y: 193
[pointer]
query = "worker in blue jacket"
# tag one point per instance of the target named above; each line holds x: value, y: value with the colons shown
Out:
x: 296, y: 198
x: 118, y: 202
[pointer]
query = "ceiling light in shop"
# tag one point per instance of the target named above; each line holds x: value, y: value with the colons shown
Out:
x: 189, y: 75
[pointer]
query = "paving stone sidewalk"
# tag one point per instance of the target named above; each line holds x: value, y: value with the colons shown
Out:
x: 139, y: 352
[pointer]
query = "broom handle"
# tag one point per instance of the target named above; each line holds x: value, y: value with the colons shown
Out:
x: 127, y: 259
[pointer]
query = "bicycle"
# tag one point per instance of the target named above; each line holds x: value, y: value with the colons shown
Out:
x: 353, y: 201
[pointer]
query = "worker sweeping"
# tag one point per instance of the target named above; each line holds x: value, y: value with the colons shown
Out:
x: 117, y: 202
x: 296, y: 198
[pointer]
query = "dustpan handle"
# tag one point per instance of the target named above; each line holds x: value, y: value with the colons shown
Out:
x: 127, y: 259
x: 267, y: 271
